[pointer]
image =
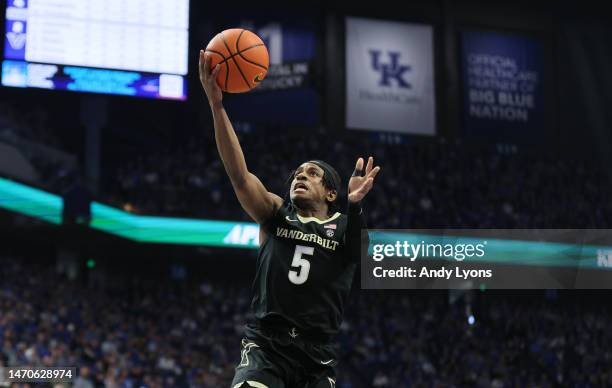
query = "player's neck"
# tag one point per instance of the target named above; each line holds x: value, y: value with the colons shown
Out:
x: 318, y: 212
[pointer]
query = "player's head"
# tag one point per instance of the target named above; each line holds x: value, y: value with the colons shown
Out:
x: 315, y: 182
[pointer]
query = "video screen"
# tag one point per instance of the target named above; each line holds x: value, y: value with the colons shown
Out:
x: 132, y: 48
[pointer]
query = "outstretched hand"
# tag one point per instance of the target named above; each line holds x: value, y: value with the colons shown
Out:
x: 360, y: 185
x: 208, y: 78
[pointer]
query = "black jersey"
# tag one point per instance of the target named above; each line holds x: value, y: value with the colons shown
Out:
x: 304, y: 272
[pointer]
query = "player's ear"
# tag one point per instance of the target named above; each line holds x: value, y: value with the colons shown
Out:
x: 331, y: 195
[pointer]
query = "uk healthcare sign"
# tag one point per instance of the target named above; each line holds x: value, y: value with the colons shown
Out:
x: 390, y: 76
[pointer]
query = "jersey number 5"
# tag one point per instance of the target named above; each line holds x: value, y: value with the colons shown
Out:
x: 299, y: 276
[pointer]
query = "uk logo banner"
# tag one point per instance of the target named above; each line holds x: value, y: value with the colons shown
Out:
x: 390, y: 76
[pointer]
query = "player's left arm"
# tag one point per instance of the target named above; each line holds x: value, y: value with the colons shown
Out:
x: 359, y: 186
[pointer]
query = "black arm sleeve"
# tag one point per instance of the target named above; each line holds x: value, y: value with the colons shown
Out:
x: 355, y: 224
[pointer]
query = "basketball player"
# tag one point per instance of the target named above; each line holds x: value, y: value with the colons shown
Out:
x: 307, y: 258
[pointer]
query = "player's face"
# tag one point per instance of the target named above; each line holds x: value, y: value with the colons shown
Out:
x: 307, y: 184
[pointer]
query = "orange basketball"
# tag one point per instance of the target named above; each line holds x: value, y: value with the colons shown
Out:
x: 243, y: 57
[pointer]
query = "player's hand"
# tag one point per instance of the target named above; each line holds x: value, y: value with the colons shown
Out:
x: 360, y: 185
x: 208, y: 78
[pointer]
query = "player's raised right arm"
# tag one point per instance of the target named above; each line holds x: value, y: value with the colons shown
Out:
x: 253, y: 196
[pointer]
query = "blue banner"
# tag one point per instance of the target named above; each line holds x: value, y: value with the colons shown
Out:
x: 503, y: 89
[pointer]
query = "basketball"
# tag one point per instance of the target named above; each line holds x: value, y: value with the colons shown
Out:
x: 243, y: 57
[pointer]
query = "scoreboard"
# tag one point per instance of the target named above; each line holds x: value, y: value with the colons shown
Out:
x: 126, y: 47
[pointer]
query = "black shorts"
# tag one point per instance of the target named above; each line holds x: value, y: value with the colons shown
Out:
x: 273, y: 359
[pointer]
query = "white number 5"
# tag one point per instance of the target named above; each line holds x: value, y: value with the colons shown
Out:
x: 300, y: 276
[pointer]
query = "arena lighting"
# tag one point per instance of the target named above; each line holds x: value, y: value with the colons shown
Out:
x: 26, y: 200
x: 171, y: 230
x: 29, y: 201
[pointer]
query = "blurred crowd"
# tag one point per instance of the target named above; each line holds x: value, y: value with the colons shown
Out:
x: 420, y: 340
x: 141, y: 332
x: 144, y: 335
x: 425, y: 182
x: 430, y: 184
